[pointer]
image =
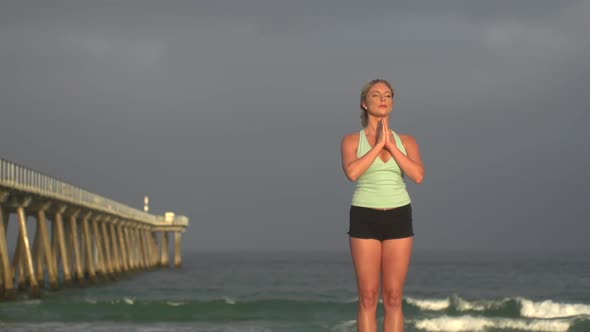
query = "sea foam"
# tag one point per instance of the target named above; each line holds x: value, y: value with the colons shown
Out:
x: 470, y: 323
x: 550, y: 309
x: 430, y: 304
x: 528, y: 308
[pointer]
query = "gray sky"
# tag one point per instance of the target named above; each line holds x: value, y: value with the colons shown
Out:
x: 231, y: 112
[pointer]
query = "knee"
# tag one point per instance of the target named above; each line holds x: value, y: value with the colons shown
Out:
x: 393, y: 298
x: 368, y: 299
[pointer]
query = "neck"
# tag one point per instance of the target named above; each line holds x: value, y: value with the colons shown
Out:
x: 373, y: 122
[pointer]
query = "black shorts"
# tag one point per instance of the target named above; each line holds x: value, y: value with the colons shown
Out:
x: 367, y: 223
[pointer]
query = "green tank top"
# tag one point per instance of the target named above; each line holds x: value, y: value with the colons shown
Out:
x: 381, y: 186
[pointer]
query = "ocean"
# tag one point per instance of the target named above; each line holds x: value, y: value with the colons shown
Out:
x: 445, y: 291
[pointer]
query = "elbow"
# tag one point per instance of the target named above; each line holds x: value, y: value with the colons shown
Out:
x: 419, y: 178
x: 351, y: 176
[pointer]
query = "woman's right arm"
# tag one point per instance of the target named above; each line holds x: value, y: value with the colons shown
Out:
x: 355, y: 167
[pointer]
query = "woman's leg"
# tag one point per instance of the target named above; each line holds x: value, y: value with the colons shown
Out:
x: 366, y: 255
x: 396, y: 260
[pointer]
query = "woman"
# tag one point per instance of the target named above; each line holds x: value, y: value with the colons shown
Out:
x: 381, y: 233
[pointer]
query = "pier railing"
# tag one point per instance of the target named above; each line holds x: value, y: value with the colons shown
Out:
x: 27, y: 180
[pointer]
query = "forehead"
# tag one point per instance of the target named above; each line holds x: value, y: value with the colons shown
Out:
x: 379, y: 87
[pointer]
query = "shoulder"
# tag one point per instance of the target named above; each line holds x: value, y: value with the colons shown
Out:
x: 408, y: 140
x: 350, y: 139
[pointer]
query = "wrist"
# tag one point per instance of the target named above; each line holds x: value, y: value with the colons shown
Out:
x: 380, y: 145
x: 391, y: 146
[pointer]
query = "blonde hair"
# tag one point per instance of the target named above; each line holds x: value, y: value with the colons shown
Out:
x: 364, y: 92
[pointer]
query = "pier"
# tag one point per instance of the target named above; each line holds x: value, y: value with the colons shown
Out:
x: 68, y: 235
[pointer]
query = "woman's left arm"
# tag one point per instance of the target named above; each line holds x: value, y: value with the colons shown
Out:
x: 411, y: 164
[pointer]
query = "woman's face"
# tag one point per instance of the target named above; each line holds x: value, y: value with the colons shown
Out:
x: 379, y: 100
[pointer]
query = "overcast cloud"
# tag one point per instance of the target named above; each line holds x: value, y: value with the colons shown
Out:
x: 232, y: 113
